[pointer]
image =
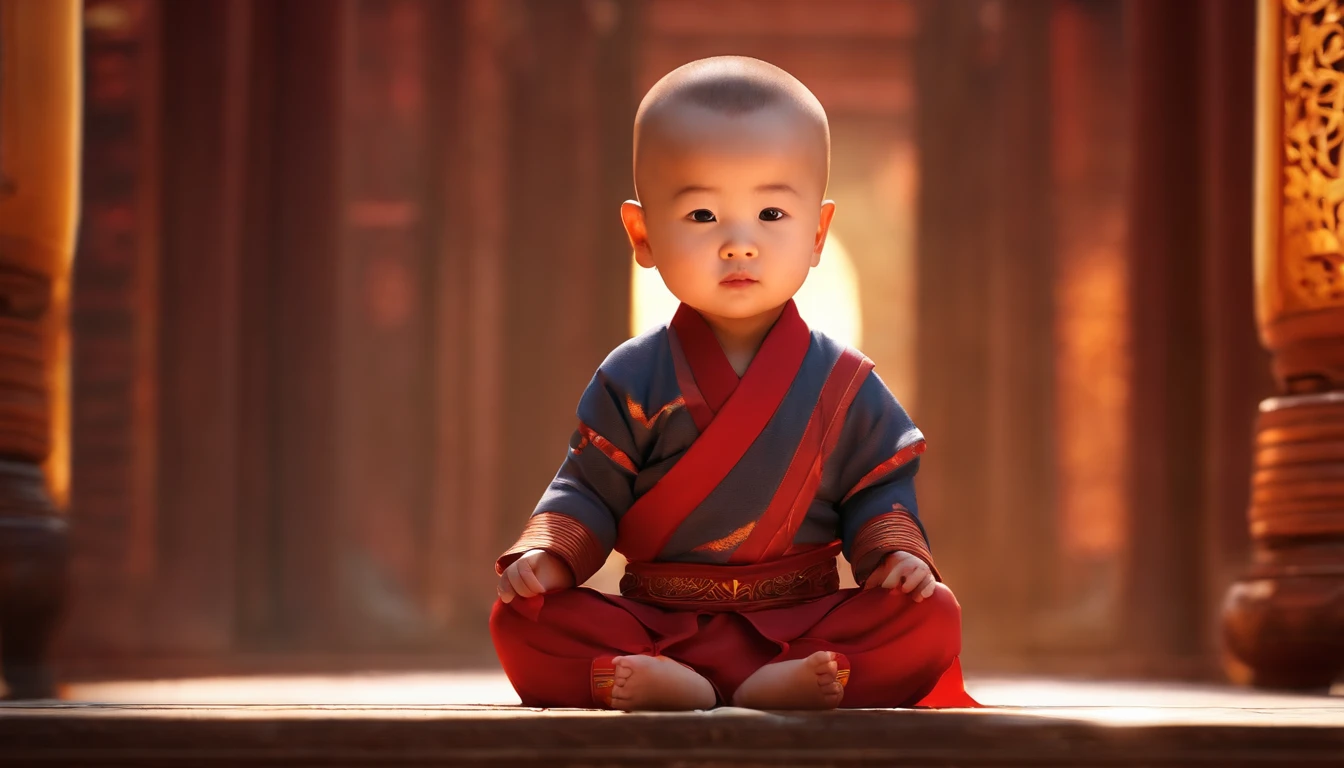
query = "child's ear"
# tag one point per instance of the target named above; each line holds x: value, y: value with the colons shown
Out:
x: 823, y: 226
x: 632, y: 216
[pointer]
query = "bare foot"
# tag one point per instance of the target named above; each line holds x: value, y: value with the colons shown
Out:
x: 658, y: 683
x: 810, y: 683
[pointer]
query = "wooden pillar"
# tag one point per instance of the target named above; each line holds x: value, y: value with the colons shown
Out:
x: 301, y: 283
x: 566, y: 279
x: 1285, y: 619
x: 114, y: 314
x: 386, y: 297
x: 532, y: 288
x: 471, y: 120
x: 1236, y: 365
x: 1162, y: 581
x: 206, y: 98
x: 39, y: 151
x: 1090, y: 163
x: 1019, y: 267
x: 1193, y: 367
x: 985, y: 363
x: 205, y: 311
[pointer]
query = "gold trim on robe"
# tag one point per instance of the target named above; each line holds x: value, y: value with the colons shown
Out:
x: 728, y: 542
x: 587, y: 436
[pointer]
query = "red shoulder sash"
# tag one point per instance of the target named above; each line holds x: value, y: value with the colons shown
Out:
x: 773, y: 534
x: 747, y: 408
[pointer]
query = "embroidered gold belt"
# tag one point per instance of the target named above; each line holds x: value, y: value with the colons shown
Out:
x: 703, y: 587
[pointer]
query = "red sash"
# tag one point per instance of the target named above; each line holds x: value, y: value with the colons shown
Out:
x: 773, y: 534
x: 747, y: 408
x: 730, y: 415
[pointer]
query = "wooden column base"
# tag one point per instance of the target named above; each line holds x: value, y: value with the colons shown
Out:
x: 33, y: 554
x: 1308, y: 352
x: 1285, y: 620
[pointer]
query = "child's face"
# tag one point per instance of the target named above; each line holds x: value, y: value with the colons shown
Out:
x: 731, y: 210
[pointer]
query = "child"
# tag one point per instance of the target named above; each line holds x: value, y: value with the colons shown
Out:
x: 731, y: 454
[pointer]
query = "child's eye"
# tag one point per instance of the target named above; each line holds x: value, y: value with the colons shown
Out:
x: 771, y: 214
x: 703, y: 216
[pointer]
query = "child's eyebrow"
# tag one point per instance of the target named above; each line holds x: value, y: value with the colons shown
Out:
x: 776, y: 187
x: 693, y: 188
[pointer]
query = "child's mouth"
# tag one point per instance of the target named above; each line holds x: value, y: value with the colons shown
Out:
x: 738, y: 280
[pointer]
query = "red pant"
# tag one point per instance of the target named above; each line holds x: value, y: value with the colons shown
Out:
x: 898, y: 649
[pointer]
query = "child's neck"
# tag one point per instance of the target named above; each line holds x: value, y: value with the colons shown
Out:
x: 741, y: 337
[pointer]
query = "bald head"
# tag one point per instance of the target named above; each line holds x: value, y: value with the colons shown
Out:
x: 712, y: 101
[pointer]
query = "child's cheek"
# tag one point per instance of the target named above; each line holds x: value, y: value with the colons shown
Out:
x: 688, y: 246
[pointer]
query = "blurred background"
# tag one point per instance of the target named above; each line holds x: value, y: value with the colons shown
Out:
x: 345, y: 266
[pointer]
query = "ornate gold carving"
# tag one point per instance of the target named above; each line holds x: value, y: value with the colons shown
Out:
x: 1313, y: 131
x: 1283, y: 623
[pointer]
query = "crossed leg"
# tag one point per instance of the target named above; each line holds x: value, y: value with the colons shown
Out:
x: 580, y: 649
x: 896, y: 649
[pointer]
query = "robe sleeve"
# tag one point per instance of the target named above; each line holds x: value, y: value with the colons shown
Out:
x: 877, y: 507
x: 576, y: 517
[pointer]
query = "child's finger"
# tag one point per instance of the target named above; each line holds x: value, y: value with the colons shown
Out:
x: 897, y: 573
x: 529, y: 577
x: 505, y: 589
x: 908, y: 569
x: 879, y: 575
x: 893, y: 578
x: 915, y: 577
x: 926, y: 587
x: 519, y: 586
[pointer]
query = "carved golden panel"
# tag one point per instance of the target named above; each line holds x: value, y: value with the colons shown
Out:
x: 1312, y: 258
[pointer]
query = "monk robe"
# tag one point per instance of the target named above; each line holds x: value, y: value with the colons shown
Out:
x: 730, y: 499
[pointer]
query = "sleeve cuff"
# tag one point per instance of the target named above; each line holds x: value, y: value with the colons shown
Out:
x: 562, y: 536
x: 890, y: 532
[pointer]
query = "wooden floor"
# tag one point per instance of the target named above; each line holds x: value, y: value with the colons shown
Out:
x: 474, y: 719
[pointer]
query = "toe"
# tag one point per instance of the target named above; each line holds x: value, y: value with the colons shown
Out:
x: 824, y: 666
x: 821, y: 660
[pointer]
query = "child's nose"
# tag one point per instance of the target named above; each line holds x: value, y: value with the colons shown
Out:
x: 738, y: 248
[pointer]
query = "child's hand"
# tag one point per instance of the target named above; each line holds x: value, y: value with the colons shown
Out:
x: 535, y: 572
x: 905, y: 569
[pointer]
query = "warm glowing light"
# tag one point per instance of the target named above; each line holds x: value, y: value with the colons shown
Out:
x: 828, y: 301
